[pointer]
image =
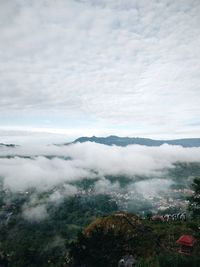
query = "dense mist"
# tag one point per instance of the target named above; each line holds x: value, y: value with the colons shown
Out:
x: 127, y: 173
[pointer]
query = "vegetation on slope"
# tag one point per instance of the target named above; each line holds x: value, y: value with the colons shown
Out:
x: 35, y: 243
x: 109, y: 236
x: 153, y: 244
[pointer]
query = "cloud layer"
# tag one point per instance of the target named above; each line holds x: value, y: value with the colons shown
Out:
x: 134, y: 176
x: 47, y: 167
x: 128, y: 62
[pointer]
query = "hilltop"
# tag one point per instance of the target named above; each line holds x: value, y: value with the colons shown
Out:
x: 125, y: 141
x: 153, y: 244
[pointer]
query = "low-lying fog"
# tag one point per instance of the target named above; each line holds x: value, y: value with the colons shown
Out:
x: 61, y: 169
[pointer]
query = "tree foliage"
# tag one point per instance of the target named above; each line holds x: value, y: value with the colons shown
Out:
x: 194, y: 205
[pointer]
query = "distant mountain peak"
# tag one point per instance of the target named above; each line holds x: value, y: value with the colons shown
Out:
x: 7, y: 145
x: 125, y: 141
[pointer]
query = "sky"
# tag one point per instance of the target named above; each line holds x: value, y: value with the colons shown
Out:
x: 71, y: 68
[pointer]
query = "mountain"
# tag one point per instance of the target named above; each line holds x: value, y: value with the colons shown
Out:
x: 125, y: 141
x: 7, y: 145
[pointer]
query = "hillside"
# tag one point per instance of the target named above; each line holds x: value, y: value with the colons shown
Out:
x: 153, y: 244
x: 125, y: 141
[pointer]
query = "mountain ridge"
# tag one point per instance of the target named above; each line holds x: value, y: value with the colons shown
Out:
x: 7, y: 145
x: 125, y: 141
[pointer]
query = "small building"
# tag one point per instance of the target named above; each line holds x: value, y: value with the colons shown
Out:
x: 186, y: 243
x: 157, y: 218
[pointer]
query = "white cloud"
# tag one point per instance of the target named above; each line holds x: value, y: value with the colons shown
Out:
x: 41, y: 173
x: 133, y: 62
x: 152, y: 188
x: 88, y: 160
x: 67, y: 191
x: 103, y: 186
x: 36, y: 213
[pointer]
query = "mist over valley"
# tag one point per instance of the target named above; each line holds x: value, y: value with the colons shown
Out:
x: 137, y: 178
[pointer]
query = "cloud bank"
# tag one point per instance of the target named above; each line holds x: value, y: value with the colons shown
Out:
x: 47, y: 167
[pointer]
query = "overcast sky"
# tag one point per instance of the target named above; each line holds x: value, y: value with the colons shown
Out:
x: 100, y: 67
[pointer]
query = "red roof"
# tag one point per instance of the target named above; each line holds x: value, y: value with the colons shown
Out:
x: 186, y: 240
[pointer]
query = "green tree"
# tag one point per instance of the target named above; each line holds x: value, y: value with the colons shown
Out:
x: 99, y: 249
x: 194, y: 205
